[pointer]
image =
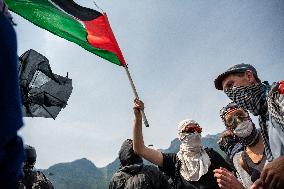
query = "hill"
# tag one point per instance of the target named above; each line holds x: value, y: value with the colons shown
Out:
x: 83, y: 174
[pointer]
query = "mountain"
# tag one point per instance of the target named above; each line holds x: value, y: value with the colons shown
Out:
x: 78, y: 174
x: 83, y: 174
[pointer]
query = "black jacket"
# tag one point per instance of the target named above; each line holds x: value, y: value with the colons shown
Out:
x: 139, y: 176
x: 133, y: 174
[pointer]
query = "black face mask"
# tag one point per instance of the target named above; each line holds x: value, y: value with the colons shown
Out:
x: 251, y: 98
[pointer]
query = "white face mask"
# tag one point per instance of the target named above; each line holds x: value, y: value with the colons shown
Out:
x: 191, y: 140
x: 244, y: 129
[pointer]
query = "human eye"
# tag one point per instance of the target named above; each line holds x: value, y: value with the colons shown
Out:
x: 229, y: 85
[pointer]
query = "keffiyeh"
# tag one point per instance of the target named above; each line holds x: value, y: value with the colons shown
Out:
x: 251, y: 98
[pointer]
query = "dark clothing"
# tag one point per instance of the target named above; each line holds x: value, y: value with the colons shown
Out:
x: 133, y: 174
x: 35, y: 180
x: 139, y: 177
x: 230, y: 145
x: 171, y: 166
x: 126, y: 154
x: 253, y: 169
x: 238, y: 147
x: 11, y: 146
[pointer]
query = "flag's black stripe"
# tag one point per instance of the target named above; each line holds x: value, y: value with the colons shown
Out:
x: 79, y: 12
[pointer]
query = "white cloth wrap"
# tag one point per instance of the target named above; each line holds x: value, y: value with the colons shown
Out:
x: 194, y: 159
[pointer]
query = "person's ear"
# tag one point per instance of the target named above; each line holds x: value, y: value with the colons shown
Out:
x: 250, y: 77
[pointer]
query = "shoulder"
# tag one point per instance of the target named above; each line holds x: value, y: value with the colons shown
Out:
x: 118, y: 179
x: 40, y: 175
x: 236, y: 158
x: 118, y: 175
x: 212, y: 153
x: 169, y: 157
x: 239, y: 162
x: 150, y: 168
x: 42, y: 181
x: 275, y: 97
x: 170, y: 163
x: 217, y: 160
x: 152, y: 171
x: 277, y: 87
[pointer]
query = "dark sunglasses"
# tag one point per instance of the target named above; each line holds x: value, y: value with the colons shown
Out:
x: 192, y: 129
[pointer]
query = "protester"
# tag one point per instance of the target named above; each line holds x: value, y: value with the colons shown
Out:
x: 11, y: 145
x: 133, y: 174
x: 192, y: 166
x: 33, y: 179
x: 243, y: 86
x: 250, y: 162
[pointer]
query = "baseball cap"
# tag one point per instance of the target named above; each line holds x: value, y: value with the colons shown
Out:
x: 238, y: 68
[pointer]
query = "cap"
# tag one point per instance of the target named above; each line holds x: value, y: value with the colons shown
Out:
x: 239, y: 68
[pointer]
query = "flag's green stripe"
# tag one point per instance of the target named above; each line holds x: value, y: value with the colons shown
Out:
x: 45, y: 15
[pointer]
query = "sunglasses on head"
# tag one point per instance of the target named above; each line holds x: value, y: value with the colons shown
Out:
x: 233, y: 118
x: 192, y: 129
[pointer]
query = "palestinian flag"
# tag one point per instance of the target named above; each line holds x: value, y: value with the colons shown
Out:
x: 86, y: 27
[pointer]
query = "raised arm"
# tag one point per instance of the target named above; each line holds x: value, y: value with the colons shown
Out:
x: 139, y: 148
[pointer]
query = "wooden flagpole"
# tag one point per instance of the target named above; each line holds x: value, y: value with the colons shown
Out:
x: 130, y: 80
x: 135, y: 94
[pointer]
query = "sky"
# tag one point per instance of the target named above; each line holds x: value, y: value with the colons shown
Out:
x: 174, y: 50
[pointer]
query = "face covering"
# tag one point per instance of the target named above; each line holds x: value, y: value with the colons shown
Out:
x: 191, y: 140
x: 194, y: 160
x: 251, y: 98
x: 247, y: 133
x: 244, y: 129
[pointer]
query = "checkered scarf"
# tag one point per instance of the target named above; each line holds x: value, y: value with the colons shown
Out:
x: 273, y: 106
x: 264, y: 133
x: 251, y: 98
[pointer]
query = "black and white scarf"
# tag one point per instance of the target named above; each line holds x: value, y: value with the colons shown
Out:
x: 273, y: 105
x: 251, y: 98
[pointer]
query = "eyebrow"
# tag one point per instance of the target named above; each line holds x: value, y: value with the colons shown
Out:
x: 228, y: 84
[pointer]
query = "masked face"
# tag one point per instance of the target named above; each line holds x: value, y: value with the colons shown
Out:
x: 191, y: 140
x: 189, y: 133
x: 247, y: 132
x: 251, y: 97
x: 235, y: 117
x: 244, y: 129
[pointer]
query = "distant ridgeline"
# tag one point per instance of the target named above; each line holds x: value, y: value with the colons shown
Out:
x: 83, y: 173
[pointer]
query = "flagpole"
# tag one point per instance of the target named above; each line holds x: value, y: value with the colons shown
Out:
x: 135, y: 94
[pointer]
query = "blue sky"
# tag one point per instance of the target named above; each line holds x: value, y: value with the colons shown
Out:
x: 174, y: 49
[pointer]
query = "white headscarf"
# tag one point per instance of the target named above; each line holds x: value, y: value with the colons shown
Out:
x: 194, y: 159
